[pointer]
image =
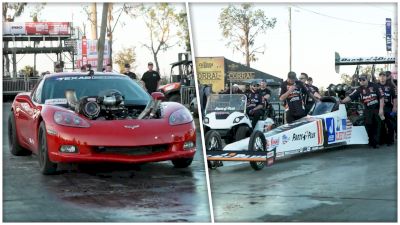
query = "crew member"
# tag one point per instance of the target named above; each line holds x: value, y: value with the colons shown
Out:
x: 371, y: 96
x: 308, y: 100
x: 151, y: 79
x: 83, y: 68
x: 236, y: 89
x: 293, y: 92
x: 58, y: 68
x: 389, y: 108
x: 128, y: 71
x: 108, y: 68
x: 264, y: 91
x: 255, y: 103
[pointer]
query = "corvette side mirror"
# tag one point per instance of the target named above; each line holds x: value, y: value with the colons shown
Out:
x: 158, y: 96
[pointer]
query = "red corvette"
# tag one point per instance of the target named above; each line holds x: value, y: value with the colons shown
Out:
x: 99, y: 117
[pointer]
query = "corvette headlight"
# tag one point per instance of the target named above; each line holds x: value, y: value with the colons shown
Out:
x: 180, y: 116
x: 238, y: 119
x: 69, y: 119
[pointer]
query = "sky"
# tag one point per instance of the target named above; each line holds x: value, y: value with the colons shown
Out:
x: 318, y: 30
x: 132, y: 34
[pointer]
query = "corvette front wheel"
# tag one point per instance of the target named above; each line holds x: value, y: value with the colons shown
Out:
x: 46, y: 166
x: 182, y: 163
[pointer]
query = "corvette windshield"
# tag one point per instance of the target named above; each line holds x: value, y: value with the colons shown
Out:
x: 226, y: 103
x: 83, y: 85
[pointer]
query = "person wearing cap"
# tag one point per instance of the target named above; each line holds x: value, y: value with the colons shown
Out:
x: 255, y: 104
x: 128, y: 71
x: 292, y: 93
x: 308, y: 100
x: 151, y: 79
x: 236, y: 89
x: 389, y: 109
x: 371, y: 96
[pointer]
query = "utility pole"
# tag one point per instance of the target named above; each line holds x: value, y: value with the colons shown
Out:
x: 93, y: 19
x: 100, y: 42
x: 290, y: 38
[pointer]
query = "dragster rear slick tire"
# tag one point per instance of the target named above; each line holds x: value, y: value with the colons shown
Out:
x: 213, y: 142
x: 257, y: 142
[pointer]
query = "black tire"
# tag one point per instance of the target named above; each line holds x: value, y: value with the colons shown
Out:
x: 15, y: 148
x: 257, y: 143
x: 175, y: 98
x: 182, y: 163
x: 213, y: 142
x: 45, y: 165
x: 242, y: 132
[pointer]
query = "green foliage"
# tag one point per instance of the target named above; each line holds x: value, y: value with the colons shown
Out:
x: 12, y: 10
x: 28, y: 71
x: 124, y: 56
x: 183, y: 32
x: 345, y: 79
x: 159, y: 19
x: 241, y: 26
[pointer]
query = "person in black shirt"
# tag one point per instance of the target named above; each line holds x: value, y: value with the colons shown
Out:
x: 390, y: 107
x: 308, y: 100
x: 371, y: 96
x: 264, y: 91
x: 255, y: 104
x: 293, y: 92
x: 128, y: 72
x: 151, y: 79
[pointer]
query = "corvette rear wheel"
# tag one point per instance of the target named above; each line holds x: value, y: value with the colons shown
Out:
x: 213, y: 143
x: 46, y: 166
x: 15, y: 147
x: 257, y: 143
x: 182, y: 163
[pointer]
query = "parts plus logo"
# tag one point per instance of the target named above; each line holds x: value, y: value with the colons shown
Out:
x: 305, y: 136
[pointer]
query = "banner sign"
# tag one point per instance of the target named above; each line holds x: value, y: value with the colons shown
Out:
x: 388, y: 34
x: 36, y: 28
x: 87, y: 53
x: 210, y: 70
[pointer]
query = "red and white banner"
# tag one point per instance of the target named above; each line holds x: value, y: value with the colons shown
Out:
x: 36, y: 28
x: 87, y: 53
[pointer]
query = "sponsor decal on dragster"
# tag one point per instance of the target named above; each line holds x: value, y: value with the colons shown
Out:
x: 273, y: 142
x: 285, y: 139
x: 56, y: 101
x: 330, y: 127
x: 307, y: 135
x: 320, y: 132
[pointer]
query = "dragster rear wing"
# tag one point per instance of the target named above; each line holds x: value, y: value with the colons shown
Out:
x: 250, y: 156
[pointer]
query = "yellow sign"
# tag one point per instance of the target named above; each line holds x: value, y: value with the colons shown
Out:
x: 237, y: 76
x: 210, y: 70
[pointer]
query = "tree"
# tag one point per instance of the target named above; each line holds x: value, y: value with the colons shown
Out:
x: 183, y: 32
x: 346, y: 78
x: 241, y: 26
x: 125, y: 56
x: 10, y: 12
x: 27, y: 71
x: 35, y: 12
x: 159, y: 19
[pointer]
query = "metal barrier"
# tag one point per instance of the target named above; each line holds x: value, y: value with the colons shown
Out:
x: 17, y: 85
x: 187, y: 94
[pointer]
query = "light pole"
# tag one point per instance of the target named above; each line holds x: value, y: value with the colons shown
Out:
x: 290, y: 38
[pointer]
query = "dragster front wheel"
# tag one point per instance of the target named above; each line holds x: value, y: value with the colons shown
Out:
x: 257, y: 143
x: 213, y: 143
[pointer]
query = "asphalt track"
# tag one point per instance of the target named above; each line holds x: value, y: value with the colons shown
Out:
x: 352, y: 184
x: 153, y: 192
